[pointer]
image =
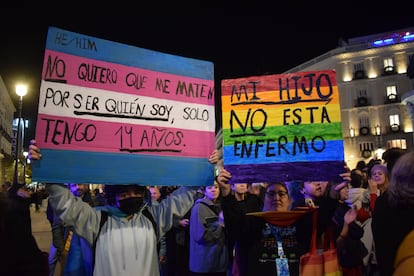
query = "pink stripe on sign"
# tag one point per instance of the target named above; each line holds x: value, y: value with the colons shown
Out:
x: 66, y: 133
x: 84, y: 72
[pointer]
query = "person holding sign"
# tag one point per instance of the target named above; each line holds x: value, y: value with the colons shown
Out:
x: 126, y: 242
x: 262, y: 248
x: 279, y: 196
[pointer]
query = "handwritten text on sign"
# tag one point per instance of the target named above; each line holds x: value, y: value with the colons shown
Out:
x: 118, y: 100
x: 270, y: 121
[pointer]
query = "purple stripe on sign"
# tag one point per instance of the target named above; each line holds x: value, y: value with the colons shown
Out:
x: 281, y: 172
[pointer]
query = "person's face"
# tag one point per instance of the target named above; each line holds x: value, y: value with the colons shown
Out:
x: 131, y: 192
x: 240, y: 188
x: 314, y: 189
x: 364, y: 175
x: 276, y: 198
x: 212, y: 192
x: 378, y: 176
x: 78, y: 189
x: 155, y: 193
x: 344, y: 193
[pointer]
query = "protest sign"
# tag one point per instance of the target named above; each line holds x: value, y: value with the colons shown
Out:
x: 112, y: 113
x: 282, y: 127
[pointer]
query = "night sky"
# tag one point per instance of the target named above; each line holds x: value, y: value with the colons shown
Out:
x: 241, y: 40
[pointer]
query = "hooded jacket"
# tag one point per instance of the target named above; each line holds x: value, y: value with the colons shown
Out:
x: 123, y: 247
x: 208, y: 244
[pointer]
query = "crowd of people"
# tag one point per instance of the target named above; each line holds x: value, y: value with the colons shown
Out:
x: 209, y: 230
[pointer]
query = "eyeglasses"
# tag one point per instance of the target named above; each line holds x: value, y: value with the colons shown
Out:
x: 281, y: 194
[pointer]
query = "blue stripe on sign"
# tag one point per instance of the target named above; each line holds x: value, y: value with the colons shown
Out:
x: 60, y: 166
x: 100, y: 49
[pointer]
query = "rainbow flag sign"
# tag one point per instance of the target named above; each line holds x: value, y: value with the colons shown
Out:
x: 111, y: 113
x: 282, y: 127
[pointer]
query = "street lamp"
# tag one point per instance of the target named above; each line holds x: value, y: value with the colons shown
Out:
x: 21, y: 91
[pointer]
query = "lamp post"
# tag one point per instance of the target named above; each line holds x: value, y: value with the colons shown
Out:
x: 25, y: 154
x: 21, y: 91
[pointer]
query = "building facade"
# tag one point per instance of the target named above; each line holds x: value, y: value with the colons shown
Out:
x: 375, y: 92
x: 7, y: 110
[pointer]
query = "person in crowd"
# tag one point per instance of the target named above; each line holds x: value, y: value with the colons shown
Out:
x: 71, y: 251
x: 377, y: 185
x: 321, y: 194
x: 392, y: 215
x: 21, y: 254
x: 37, y: 200
x: 256, y: 241
x: 178, y: 241
x: 348, y: 233
x: 156, y: 198
x: 126, y: 243
x: 209, y: 253
x: 362, y: 166
x: 98, y: 197
x: 390, y: 156
x: 257, y: 189
x: 242, y: 232
x: 356, y: 178
x: 295, y: 237
x: 356, y: 194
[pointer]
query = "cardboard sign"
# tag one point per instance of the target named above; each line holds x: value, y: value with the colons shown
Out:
x: 282, y: 127
x: 111, y: 113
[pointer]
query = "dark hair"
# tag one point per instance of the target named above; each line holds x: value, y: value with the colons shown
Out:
x: 390, y: 156
x: 361, y: 165
x: 295, y: 188
x: 356, y: 179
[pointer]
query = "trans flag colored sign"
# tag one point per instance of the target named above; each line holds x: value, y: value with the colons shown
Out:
x: 282, y: 127
x: 111, y: 113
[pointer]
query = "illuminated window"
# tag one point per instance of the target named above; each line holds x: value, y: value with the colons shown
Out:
x: 394, y: 119
x: 397, y: 143
x: 395, y: 122
x: 391, y: 92
x: 388, y: 65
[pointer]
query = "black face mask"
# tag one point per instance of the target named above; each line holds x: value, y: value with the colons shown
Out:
x: 131, y: 205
